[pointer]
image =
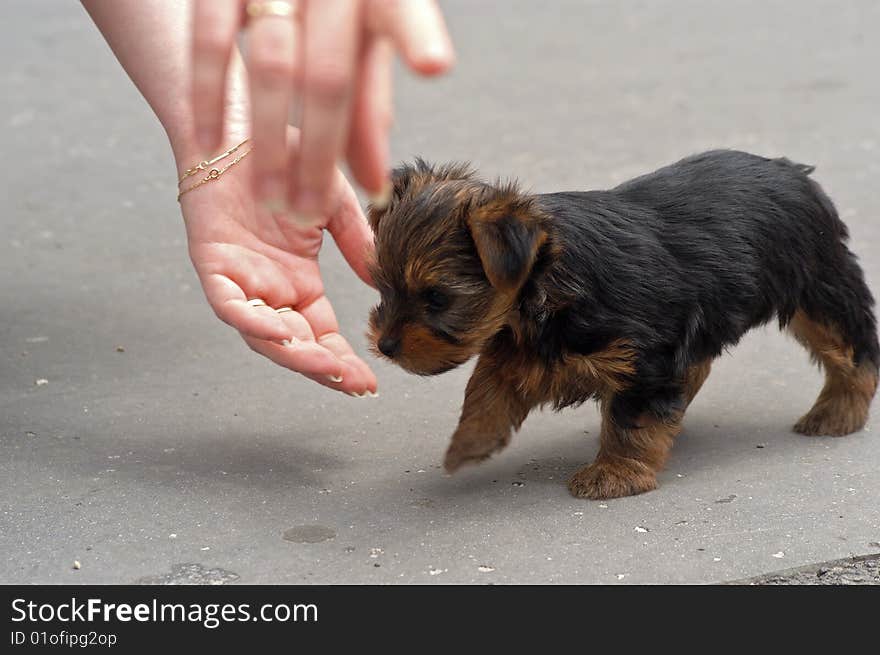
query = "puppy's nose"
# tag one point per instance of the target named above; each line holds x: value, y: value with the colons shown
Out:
x: 389, y: 346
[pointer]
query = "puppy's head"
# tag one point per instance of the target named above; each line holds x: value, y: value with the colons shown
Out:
x: 452, y: 253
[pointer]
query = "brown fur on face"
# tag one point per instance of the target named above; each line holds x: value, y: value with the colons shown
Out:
x: 444, y: 232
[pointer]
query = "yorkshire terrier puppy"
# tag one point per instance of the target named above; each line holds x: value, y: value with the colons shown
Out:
x: 623, y: 296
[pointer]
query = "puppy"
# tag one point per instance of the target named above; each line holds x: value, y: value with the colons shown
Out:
x: 623, y: 296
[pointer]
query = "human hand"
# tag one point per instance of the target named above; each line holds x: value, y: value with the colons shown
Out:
x: 242, y: 251
x: 336, y: 56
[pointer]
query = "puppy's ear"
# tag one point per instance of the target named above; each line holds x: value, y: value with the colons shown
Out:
x: 507, y: 232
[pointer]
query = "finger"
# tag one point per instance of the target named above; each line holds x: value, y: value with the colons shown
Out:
x: 305, y: 357
x: 331, y: 45
x: 351, y: 379
x: 361, y: 377
x: 351, y: 232
x: 255, y: 275
x: 230, y: 304
x: 271, y: 63
x: 322, y: 320
x: 214, y: 26
x: 418, y: 31
x: 367, y: 152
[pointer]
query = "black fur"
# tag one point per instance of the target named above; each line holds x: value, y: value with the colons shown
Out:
x: 683, y: 261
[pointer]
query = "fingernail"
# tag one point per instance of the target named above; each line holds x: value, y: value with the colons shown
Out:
x: 380, y: 200
x: 372, y: 394
x: 357, y: 395
x: 334, y: 378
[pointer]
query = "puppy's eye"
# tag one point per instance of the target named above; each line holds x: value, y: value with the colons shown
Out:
x: 435, y: 300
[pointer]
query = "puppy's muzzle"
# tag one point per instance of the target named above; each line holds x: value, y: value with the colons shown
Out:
x: 389, y: 346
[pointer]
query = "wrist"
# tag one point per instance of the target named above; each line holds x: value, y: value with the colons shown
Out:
x: 188, y: 153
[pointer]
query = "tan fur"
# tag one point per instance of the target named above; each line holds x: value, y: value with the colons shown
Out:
x: 501, y: 393
x: 492, y: 410
x: 628, y: 459
x: 696, y: 376
x: 420, y: 349
x: 507, y: 205
x: 842, y: 406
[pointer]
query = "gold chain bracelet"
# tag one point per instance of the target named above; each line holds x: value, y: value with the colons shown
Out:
x: 202, y: 165
x: 214, y: 173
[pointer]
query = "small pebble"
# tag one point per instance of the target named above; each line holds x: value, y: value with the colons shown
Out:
x: 375, y: 552
x: 485, y: 569
x: 621, y: 576
x: 76, y: 565
x: 779, y: 555
x: 120, y: 349
x: 41, y: 382
x: 435, y: 571
x: 173, y: 535
x: 639, y: 528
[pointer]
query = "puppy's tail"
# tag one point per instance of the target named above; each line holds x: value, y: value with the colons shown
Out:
x: 806, y: 169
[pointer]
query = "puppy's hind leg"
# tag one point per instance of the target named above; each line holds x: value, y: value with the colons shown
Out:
x: 842, y: 405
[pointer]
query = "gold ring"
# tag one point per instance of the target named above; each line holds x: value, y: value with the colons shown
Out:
x: 277, y: 8
x: 256, y: 302
x: 281, y: 310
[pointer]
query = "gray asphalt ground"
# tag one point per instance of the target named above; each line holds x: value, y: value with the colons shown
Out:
x: 186, y: 457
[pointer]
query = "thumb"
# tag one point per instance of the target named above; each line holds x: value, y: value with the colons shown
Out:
x: 349, y: 228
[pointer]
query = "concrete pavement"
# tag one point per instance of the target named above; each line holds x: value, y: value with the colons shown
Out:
x: 161, y: 449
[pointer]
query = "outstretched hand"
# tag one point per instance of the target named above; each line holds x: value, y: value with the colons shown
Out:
x: 244, y: 252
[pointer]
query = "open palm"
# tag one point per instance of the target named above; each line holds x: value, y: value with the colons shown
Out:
x: 244, y: 252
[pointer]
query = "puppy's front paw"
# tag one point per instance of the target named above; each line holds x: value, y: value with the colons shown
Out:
x: 612, y: 479
x: 471, y: 450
